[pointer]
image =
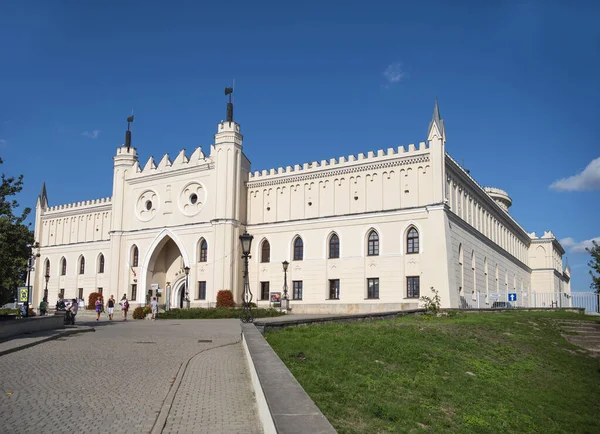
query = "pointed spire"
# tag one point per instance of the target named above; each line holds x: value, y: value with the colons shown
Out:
x: 436, y: 126
x: 43, y: 197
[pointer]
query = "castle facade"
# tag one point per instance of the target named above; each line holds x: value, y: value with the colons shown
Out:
x: 360, y: 233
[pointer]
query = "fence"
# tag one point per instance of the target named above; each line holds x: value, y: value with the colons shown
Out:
x: 478, y: 300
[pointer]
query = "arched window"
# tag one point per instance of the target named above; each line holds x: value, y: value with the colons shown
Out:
x: 101, y: 263
x: 203, y: 256
x: 134, y: 256
x: 298, y: 249
x: 412, y: 241
x: 334, y: 247
x: 462, y: 268
x: 373, y: 244
x: 265, y: 252
x: 63, y: 266
x: 47, y: 267
x: 474, y: 271
x: 81, y: 265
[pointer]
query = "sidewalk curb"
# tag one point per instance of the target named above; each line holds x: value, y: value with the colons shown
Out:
x: 61, y: 334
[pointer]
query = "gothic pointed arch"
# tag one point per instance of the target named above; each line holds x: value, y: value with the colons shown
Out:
x: 100, y: 263
x: 298, y: 249
x: 202, y: 253
x: 47, y: 267
x: 333, y: 246
x: 373, y: 243
x: 134, y: 258
x: 265, y: 251
x: 63, y: 266
x: 412, y: 240
x: 81, y: 264
x: 461, y: 267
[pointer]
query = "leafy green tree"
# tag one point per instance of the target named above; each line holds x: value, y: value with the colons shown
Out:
x: 15, y: 238
x: 594, y: 265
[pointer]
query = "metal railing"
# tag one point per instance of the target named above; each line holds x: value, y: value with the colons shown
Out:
x: 480, y: 300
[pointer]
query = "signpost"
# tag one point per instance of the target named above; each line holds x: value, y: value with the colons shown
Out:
x: 512, y: 296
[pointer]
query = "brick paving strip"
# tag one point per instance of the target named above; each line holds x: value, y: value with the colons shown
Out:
x: 132, y: 377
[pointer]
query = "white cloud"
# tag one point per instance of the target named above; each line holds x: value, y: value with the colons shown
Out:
x: 92, y: 135
x: 588, y: 179
x: 394, y: 73
x: 578, y: 247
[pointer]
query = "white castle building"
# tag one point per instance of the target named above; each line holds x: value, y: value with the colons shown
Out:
x: 361, y: 233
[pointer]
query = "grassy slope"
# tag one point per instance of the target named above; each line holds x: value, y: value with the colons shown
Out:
x: 412, y: 374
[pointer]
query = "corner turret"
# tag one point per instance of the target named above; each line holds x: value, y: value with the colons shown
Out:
x: 43, y: 197
x: 436, y: 126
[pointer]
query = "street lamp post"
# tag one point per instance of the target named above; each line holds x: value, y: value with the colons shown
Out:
x: 187, y: 296
x: 246, y: 315
x: 47, y: 277
x: 286, y: 301
x: 30, y: 262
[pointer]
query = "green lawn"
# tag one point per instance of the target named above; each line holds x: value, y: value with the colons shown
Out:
x: 464, y: 373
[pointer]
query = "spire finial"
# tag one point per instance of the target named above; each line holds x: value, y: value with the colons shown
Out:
x: 128, y: 132
x: 229, y: 91
x: 43, y: 197
x: 437, y: 122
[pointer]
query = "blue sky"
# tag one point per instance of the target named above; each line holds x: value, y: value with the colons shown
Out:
x: 517, y: 84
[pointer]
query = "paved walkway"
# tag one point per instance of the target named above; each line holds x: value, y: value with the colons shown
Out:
x: 131, y: 377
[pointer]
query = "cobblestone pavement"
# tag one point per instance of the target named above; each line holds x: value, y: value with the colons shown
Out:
x: 122, y: 377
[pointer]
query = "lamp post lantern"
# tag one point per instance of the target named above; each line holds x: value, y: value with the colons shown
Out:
x: 187, y: 297
x: 286, y: 301
x: 47, y: 277
x: 246, y: 315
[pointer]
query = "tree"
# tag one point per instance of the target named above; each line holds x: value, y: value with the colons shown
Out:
x: 594, y: 265
x: 15, y: 238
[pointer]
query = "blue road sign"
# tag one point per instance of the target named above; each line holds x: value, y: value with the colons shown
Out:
x: 512, y: 297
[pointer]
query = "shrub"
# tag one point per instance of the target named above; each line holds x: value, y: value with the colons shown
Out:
x: 92, y: 300
x: 147, y: 310
x: 216, y: 313
x: 138, y: 313
x: 225, y: 298
x: 9, y: 311
x: 432, y: 304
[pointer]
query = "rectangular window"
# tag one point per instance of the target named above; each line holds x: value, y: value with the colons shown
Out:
x: 373, y: 288
x: 133, y: 292
x: 297, y: 289
x: 201, y: 290
x: 100, y: 291
x: 412, y: 287
x: 80, y: 295
x: 334, y: 289
x: 61, y: 293
x: 264, y: 290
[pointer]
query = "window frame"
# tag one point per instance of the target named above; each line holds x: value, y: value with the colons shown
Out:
x: 298, y: 249
x: 373, y: 243
x: 412, y: 241
x: 135, y: 256
x: 82, y: 265
x: 263, y: 285
x: 373, y: 295
x: 334, y: 246
x: 297, y: 287
x: 201, y: 293
x: 133, y: 291
x: 334, y: 288
x: 101, y: 264
x: 63, y: 266
x: 203, y: 250
x: 265, y: 248
x: 411, y: 288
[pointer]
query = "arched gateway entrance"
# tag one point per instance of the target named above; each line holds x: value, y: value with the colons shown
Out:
x: 164, y: 267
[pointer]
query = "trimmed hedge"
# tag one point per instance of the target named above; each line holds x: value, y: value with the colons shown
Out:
x: 216, y: 313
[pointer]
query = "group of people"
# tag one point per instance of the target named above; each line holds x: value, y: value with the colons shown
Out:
x: 110, y: 307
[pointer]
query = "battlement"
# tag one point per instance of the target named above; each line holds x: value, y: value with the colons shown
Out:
x: 80, y: 205
x: 166, y: 165
x: 342, y: 162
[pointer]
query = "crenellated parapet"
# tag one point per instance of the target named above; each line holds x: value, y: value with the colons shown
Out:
x: 345, y: 164
x: 79, y: 205
x: 197, y: 160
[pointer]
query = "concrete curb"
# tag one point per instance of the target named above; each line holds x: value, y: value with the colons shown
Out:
x: 284, y: 407
x: 62, y: 333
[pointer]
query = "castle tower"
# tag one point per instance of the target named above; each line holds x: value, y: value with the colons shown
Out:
x: 436, y: 136
x: 227, y: 155
x: 123, y: 163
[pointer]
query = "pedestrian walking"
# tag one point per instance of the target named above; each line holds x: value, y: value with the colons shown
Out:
x: 124, y: 306
x: 98, y: 308
x: 43, y: 307
x: 154, y: 305
x: 110, y: 306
